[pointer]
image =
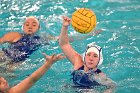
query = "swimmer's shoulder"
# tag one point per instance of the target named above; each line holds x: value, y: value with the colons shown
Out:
x: 100, y: 72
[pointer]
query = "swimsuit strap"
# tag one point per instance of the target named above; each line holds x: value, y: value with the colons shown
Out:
x: 81, y: 68
x: 96, y: 72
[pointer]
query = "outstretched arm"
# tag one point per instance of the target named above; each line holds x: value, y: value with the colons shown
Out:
x: 10, y: 37
x: 70, y: 53
x: 24, y: 85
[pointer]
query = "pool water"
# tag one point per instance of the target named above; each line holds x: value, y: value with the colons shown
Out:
x: 119, y: 20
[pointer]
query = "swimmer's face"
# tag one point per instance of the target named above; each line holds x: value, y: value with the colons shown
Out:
x: 31, y: 25
x: 91, y: 60
x: 3, y: 84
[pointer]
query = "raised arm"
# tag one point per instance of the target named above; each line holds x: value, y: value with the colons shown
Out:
x: 24, y: 85
x: 70, y: 53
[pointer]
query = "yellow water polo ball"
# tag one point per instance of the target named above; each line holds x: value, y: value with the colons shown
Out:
x: 83, y: 20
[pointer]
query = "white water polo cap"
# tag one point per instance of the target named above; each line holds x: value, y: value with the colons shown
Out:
x: 92, y: 47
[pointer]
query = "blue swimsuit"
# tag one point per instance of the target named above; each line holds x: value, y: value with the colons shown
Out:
x: 83, y: 79
x: 23, y: 48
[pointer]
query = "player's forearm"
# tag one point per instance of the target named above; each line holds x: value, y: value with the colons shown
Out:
x: 23, y: 86
x: 63, y: 39
x: 40, y: 72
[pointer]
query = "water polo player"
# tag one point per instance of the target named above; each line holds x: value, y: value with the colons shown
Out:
x: 86, y: 72
x: 22, y: 45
